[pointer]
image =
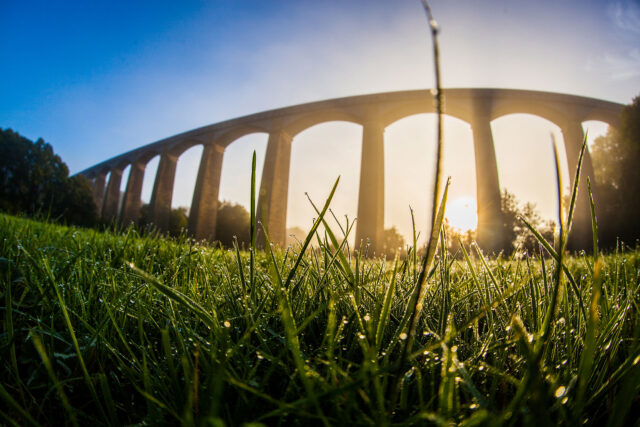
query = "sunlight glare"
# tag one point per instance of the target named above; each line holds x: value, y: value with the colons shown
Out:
x: 462, y: 214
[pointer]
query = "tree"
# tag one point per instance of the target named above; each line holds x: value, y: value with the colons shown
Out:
x: 34, y: 180
x: 517, y: 235
x: 178, y: 219
x: 233, y: 221
x: 616, y: 157
x: 392, y: 242
x: 455, y: 237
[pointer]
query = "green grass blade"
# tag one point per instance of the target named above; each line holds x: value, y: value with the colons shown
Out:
x: 179, y: 297
x: 310, y: 235
x: 576, y: 181
x: 37, y: 342
x: 594, y: 223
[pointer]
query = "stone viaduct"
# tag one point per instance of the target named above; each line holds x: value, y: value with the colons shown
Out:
x: 476, y: 106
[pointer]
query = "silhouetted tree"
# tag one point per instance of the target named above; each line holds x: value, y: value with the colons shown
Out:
x: 233, y: 220
x: 616, y: 161
x: 516, y: 233
x: 34, y: 180
x: 455, y: 237
x: 178, y: 219
x: 392, y: 242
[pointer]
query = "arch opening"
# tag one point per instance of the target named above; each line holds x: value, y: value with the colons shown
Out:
x: 123, y: 187
x: 150, y: 171
x: 410, y: 156
x: 186, y: 175
x: 319, y: 154
x: 524, y: 151
x: 235, y: 179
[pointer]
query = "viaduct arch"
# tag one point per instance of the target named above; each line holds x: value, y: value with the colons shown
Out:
x: 476, y: 106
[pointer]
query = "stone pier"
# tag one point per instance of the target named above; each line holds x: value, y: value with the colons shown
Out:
x: 490, y: 233
x: 204, y: 207
x: 274, y: 189
x: 370, y: 225
x: 112, y: 196
x: 163, y: 191
x: 131, y: 204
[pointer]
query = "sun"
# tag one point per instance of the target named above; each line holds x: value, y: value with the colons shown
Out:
x: 462, y: 213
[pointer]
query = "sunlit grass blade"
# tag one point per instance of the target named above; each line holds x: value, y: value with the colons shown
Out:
x: 415, y: 303
x: 310, y: 235
x: 448, y: 390
x: 544, y: 340
x: 383, y: 318
x: 594, y: 222
x: 576, y: 182
x: 179, y: 297
x: 252, y: 224
x: 589, y: 350
x: 547, y: 246
x: 344, y: 262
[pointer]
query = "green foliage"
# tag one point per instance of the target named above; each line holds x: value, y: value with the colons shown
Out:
x: 232, y: 222
x: 616, y: 157
x: 34, y: 180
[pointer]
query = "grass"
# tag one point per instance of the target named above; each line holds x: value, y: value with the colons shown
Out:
x: 197, y: 335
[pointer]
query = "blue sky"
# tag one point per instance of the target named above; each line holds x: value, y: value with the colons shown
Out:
x: 96, y: 79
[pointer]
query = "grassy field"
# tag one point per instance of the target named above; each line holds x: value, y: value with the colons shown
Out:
x: 117, y: 328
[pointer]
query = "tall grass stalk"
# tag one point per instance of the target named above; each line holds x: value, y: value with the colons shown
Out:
x: 414, y: 308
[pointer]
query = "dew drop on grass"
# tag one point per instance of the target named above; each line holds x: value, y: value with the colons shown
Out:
x: 367, y: 317
x: 560, y: 391
x: 403, y: 336
x: 227, y: 324
x: 636, y: 360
